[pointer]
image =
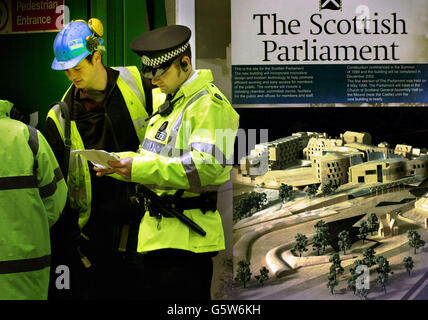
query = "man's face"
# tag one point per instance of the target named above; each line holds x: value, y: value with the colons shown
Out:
x: 82, y: 75
x: 171, y: 80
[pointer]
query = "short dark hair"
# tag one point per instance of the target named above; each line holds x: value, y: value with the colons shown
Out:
x: 91, y: 55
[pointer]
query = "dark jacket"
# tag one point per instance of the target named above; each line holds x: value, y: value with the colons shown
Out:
x: 106, y: 125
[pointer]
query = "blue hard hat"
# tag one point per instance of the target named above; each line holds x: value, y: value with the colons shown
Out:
x: 70, y: 45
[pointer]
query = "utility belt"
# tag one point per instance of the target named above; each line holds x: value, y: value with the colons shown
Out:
x: 205, y: 202
x: 174, y: 205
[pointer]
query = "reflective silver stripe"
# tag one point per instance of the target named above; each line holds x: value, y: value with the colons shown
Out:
x: 190, y: 169
x: 76, y: 161
x: 156, y: 147
x: 177, y: 123
x: 126, y: 75
x: 56, y: 108
x: 77, y: 194
x: 152, y: 146
x: 50, y: 188
x: 25, y: 265
x: 130, y: 81
x: 140, y: 122
x: 169, y: 150
x: 212, y: 150
x: 186, y: 160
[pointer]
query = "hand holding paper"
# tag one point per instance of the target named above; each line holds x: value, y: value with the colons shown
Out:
x: 122, y: 167
x: 99, y: 158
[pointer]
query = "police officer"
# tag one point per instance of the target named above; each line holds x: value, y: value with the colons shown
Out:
x: 107, y: 108
x: 32, y: 196
x: 184, y: 158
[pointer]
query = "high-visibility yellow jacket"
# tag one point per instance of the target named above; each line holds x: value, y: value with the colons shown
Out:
x: 79, y: 178
x: 32, y: 196
x: 190, y: 149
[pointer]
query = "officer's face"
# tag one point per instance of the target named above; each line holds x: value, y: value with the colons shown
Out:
x: 82, y: 75
x: 171, y: 79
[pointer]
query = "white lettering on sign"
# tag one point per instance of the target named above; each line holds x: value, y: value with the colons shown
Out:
x: 35, y: 5
x: 27, y: 20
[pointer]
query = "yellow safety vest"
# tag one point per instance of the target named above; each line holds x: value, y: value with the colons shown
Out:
x: 190, y: 149
x: 32, y: 195
x: 79, y: 178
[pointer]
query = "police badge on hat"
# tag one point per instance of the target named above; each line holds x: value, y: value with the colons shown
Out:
x: 161, y: 134
x: 159, y: 48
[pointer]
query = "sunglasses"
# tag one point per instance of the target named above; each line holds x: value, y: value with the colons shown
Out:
x: 149, y: 72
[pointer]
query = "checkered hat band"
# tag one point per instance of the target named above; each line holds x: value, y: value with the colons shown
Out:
x: 155, y: 62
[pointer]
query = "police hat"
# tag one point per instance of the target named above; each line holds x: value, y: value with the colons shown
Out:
x: 158, y: 48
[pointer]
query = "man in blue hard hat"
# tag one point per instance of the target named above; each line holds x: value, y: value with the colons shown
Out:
x: 107, y: 108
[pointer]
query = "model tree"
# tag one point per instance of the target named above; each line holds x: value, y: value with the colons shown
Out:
x: 352, y: 282
x: 301, y: 243
x: 263, y: 275
x: 383, y: 269
x: 369, y: 258
x: 312, y: 190
x: 372, y: 223
x: 336, y: 264
x: 241, y: 210
x: 344, y: 241
x: 243, y: 274
x: 317, y: 244
x: 322, y: 235
x: 409, y: 264
x: 332, y: 281
x: 335, y: 270
x: 286, y: 192
x: 363, y: 231
x: 352, y: 285
x: 415, y: 240
x: 255, y: 200
x: 327, y: 188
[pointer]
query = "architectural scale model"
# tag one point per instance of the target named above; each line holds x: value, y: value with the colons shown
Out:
x: 361, y: 199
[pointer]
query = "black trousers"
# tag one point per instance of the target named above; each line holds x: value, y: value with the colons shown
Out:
x: 171, y: 274
x: 112, y: 275
x: 167, y: 274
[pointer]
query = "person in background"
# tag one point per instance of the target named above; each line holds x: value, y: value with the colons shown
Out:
x: 97, y: 235
x: 183, y: 159
x: 32, y: 196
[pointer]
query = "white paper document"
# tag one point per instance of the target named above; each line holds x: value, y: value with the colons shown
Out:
x: 99, y: 158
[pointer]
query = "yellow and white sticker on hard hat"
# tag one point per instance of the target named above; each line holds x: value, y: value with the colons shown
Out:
x: 75, y: 44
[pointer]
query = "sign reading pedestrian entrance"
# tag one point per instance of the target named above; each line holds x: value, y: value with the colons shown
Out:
x: 18, y: 16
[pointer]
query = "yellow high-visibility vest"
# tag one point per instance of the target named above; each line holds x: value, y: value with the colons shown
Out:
x: 192, y: 149
x: 79, y: 178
